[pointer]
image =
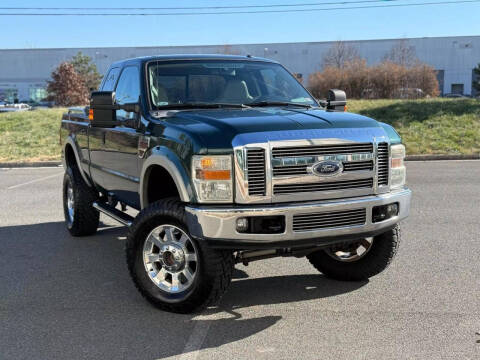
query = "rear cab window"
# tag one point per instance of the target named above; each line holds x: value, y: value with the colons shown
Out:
x: 110, y: 80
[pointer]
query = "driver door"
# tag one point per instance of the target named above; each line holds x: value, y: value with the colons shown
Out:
x: 120, y: 153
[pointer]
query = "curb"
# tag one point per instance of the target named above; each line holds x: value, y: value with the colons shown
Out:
x: 442, y: 157
x: 30, y: 164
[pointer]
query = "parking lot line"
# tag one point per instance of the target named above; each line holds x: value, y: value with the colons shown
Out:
x: 34, y: 181
x: 195, y: 341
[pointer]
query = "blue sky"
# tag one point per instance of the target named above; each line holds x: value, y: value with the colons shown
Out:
x: 48, y: 32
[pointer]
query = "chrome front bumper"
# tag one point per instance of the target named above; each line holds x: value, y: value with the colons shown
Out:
x: 219, y: 222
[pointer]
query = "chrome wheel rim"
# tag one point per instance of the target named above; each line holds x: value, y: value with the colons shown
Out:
x: 70, y: 202
x: 170, y: 258
x: 352, y: 251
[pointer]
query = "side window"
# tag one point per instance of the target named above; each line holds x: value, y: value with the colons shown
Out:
x: 128, y: 90
x: 110, y: 80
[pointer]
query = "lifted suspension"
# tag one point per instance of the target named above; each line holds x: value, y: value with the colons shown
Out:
x: 245, y: 257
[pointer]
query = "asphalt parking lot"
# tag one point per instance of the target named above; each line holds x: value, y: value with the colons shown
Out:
x: 72, y: 298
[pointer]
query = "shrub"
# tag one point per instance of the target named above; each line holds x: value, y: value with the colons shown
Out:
x: 399, y: 75
x: 386, y: 80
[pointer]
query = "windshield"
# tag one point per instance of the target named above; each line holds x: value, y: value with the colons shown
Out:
x: 223, y: 82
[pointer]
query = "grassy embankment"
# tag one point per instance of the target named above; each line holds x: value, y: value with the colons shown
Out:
x: 431, y: 126
x: 30, y: 135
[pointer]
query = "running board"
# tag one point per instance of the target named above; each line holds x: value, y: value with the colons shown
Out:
x: 114, y: 213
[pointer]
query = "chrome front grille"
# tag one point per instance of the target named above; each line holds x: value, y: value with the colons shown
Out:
x: 382, y: 163
x: 256, y: 172
x: 322, y: 186
x: 276, y: 170
x: 293, y: 173
x: 322, y: 150
x: 325, y: 220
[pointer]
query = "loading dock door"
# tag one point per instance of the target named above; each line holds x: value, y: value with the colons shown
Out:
x: 457, y: 89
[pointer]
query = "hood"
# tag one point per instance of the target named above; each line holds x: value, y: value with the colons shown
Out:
x: 218, y: 128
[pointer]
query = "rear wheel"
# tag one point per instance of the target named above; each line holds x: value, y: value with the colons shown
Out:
x: 358, y: 260
x: 171, y: 269
x: 80, y: 216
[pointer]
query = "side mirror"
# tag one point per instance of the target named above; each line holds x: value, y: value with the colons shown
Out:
x: 336, y: 100
x: 130, y: 107
x: 102, y: 111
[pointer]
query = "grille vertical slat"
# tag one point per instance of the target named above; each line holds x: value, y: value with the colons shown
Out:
x: 382, y: 164
x: 256, y: 172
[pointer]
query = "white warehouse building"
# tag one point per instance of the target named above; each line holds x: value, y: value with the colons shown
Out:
x: 24, y: 72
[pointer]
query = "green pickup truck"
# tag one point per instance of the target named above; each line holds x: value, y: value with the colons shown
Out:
x: 225, y: 160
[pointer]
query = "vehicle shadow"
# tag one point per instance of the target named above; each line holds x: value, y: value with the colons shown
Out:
x: 73, y: 298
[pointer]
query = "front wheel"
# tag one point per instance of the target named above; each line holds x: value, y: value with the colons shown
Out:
x: 358, y: 260
x: 171, y: 269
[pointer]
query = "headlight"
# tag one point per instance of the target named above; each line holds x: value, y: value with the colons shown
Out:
x: 397, y: 167
x: 212, y: 178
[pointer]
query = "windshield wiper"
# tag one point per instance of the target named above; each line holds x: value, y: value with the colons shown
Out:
x: 201, y: 105
x: 278, y: 103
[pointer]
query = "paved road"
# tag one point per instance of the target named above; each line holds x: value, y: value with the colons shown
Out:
x: 71, y: 298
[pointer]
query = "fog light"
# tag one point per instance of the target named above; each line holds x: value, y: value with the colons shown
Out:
x: 242, y: 224
x: 392, y: 209
x: 384, y: 212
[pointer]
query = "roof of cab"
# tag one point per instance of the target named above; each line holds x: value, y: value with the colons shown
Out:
x: 174, y: 57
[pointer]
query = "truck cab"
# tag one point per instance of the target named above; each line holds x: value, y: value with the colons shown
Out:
x: 229, y: 159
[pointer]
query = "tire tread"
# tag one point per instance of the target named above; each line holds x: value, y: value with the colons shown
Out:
x: 86, y: 218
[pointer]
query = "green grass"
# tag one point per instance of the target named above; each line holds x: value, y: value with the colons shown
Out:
x: 431, y: 126
x: 30, y: 135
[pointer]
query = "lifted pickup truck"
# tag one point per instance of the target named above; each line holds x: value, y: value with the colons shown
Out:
x: 228, y: 159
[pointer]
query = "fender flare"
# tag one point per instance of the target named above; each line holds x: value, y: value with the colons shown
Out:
x: 164, y: 157
x: 71, y: 141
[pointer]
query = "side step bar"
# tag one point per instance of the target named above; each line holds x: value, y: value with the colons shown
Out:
x: 114, y: 213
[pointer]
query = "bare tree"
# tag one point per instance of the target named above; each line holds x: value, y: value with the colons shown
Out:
x: 339, y: 54
x: 402, y: 54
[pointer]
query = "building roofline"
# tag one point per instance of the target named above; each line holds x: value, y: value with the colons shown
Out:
x: 190, y: 57
x: 241, y: 44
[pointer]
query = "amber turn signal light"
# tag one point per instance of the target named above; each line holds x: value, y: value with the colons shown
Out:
x: 396, y: 162
x: 207, y: 163
x: 213, y: 174
x: 90, y: 114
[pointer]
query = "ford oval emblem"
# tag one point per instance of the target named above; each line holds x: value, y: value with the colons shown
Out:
x: 327, y: 168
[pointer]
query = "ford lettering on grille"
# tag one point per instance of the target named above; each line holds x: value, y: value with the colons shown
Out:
x: 327, y: 168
